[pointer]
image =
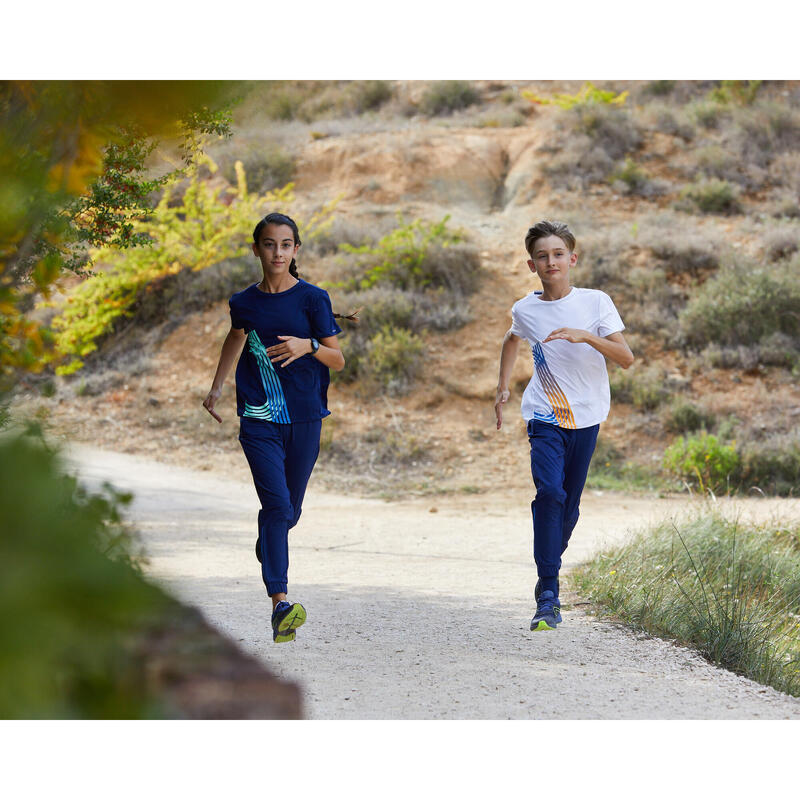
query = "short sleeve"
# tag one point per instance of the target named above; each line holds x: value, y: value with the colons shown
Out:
x: 515, y: 326
x: 236, y: 321
x: 609, y: 320
x: 323, y: 323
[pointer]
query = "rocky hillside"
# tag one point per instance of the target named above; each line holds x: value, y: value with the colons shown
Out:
x: 685, y: 199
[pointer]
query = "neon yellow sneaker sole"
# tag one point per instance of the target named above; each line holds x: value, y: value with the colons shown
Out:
x: 283, y: 629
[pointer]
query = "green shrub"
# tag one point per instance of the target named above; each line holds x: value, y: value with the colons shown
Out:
x: 414, y: 255
x: 266, y: 165
x: 741, y: 92
x: 589, y: 95
x: 392, y: 360
x: 659, y: 88
x: 444, y: 97
x: 766, y: 297
x: 686, y: 417
x: 632, y: 177
x: 71, y: 596
x: 588, y: 142
x: 730, y: 590
x: 702, y: 461
x: 644, y: 388
x: 710, y: 196
x: 369, y: 95
x: 771, y: 465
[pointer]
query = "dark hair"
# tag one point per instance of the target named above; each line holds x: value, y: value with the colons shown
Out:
x: 280, y: 219
x: 545, y: 228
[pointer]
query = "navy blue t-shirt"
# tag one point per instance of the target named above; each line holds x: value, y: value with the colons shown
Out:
x: 297, y: 392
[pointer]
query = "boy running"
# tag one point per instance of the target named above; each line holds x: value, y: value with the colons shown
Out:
x: 570, y: 330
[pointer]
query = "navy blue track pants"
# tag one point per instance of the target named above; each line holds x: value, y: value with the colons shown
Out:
x: 559, y: 463
x: 281, y: 457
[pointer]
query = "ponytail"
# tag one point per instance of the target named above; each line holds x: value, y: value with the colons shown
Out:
x: 281, y: 219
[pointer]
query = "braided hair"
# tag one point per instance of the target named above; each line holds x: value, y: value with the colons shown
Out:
x: 282, y: 219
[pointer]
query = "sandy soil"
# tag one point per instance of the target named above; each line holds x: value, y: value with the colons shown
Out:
x: 420, y: 609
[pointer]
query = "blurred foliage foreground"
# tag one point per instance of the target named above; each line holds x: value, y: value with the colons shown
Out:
x: 82, y: 634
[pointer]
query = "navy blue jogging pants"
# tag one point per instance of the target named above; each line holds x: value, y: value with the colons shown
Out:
x: 281, y: 458
x: 559, y: 463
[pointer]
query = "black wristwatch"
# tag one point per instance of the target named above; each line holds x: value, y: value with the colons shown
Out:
x: 314, y: 345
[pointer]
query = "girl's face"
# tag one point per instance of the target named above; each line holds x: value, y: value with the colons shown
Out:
x: 275, y: 248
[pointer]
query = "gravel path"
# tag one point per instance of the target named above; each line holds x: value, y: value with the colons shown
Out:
x: 416, y: 613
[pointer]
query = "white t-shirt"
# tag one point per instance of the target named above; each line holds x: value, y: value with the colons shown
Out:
x: 569, y: 387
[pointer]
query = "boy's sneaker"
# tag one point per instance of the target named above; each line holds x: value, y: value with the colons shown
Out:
x: 548, y: 612
x: 536, y: 591
x: 286, y: 618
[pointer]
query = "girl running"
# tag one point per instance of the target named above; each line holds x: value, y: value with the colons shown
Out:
x: 282, y: 380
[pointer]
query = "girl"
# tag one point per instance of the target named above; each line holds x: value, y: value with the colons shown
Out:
x: 281, y: 395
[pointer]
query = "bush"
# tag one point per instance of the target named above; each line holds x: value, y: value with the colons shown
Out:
x: 266, y: 165
x: 644, y: 388
x: 684, y: 250
x: 416, y: 255
x: 685, y: 417
x: 659, y: 88
x: 701, y: 461
x: 771, y: 465
x: 71, y: 595
x: 444, y: 97
x: 588, y: 142
x: 782, y: 242
x: 634, y: 180
x: 710, y: 196
x: 392, y: 360
x: 766, y: 298
x: 369, y: 95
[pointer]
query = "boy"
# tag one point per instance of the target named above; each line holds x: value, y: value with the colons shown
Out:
x: 570, y: 330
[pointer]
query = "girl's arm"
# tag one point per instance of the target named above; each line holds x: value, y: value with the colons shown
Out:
x: 231, y: 348
x: 292, y: 348
x: 612, y: 346
x: 508, y: 355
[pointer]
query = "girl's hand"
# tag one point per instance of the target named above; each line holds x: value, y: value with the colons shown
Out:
x: 573, y: 335
x: 290, y: 349
x: 210, y: 402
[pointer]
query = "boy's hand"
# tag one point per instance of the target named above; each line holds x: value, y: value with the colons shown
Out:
x: 290, y: 350
x: 501, y: 398
x: 573, y: 335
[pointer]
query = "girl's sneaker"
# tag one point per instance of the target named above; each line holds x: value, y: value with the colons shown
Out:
x: 286, y: 618
x: 548, y: 612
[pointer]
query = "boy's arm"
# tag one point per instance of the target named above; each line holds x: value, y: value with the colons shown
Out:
x: 508, y: 355
x: 612, y: 346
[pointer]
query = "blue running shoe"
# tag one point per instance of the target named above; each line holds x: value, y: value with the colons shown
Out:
x: 537, y: 590
x: 548, y: 612
x: 286, y: 618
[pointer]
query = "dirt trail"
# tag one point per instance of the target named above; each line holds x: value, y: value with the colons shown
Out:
x: 421, y: 614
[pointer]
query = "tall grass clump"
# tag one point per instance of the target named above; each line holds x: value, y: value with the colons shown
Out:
x: 728, y: 589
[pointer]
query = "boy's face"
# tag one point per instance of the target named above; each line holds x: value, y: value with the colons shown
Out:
x: 551, y: 260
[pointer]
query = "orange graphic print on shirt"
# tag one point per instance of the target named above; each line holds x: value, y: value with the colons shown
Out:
x: 562, y: 413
